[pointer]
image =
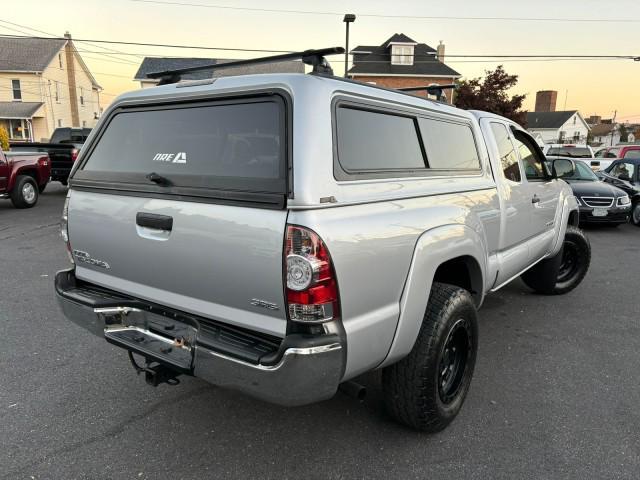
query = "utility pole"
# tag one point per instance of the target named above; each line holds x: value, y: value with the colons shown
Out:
x: 613, y: 129
x: 348, y: 18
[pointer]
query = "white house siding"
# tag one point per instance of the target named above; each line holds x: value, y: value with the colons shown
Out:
x: 574, y: 125
x: 41, y: 87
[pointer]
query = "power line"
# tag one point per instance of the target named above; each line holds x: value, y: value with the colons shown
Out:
x: 193, y: 47
x: 375, y: 15
x: 53, y: 35
x: 559, y: 56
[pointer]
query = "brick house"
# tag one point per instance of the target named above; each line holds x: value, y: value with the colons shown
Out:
x: 402, y: 62
x: 44, y: 84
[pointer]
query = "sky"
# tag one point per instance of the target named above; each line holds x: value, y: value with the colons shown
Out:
x: 599, y: 87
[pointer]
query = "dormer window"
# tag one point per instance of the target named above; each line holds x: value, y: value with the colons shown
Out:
x: 401, y: 54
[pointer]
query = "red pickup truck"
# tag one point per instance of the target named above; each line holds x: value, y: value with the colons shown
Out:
x: 23, y: 176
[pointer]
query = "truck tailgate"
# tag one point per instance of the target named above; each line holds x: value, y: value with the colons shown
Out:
x: 215, y: 261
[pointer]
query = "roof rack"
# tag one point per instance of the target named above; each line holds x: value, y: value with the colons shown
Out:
x: 314, y: 58
x: 437, y: 90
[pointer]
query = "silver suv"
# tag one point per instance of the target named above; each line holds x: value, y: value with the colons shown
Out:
x: 283, y: 234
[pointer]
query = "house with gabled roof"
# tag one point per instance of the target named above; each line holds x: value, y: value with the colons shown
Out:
x: 163, y: 64
x: 558, y: 127
x: 401, y: 62
x: 45, y: 84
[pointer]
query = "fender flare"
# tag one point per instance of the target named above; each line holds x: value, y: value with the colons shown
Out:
x: 569, y: 205
x: 433, y: 248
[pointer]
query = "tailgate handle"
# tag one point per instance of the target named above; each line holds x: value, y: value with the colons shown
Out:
x: 152, y: 220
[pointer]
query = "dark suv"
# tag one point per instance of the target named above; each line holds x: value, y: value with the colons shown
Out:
x: 624, y: 174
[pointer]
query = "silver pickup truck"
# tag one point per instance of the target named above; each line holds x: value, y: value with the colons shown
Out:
x: 282, y: 234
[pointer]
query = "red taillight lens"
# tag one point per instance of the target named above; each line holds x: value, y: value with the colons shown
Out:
x: 74, y: 154
x: 312, y: 290
x: 43, y: 161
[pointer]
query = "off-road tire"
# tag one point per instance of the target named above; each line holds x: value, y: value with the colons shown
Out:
x: 18, y: 196
x: 564, y: 271
x: 635, y: 214
x: 411, y: 387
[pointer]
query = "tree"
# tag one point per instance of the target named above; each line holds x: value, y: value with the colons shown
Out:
x: 4, y: 138
x: 491, y: 95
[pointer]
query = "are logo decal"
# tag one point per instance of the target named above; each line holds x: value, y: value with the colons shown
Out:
x: 180, y: 157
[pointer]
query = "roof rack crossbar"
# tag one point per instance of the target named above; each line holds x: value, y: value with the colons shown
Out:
x: 437, y: 90
x: 315, y: 58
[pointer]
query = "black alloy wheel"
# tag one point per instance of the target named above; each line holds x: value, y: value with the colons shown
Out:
x: 453, y: 361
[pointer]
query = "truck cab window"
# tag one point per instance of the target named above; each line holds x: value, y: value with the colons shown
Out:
x: 508, y: 156
x: 532, y: 163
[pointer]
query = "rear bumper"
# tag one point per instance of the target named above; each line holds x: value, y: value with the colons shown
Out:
x: 60, y: 172
x: 303, y: 369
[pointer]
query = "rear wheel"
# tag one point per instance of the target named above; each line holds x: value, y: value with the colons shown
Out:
x: 426, y: 389
x: 25, y: 192
x: 635, y: 214
x: 564, y: 271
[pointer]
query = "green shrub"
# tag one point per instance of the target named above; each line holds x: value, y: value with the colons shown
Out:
x: 4, y: 138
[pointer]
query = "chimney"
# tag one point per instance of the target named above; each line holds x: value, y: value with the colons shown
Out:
x: 71, y: 79
x: 440, y: 52
x: 546, y: 101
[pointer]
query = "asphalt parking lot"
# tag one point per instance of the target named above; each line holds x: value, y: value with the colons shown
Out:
x: 556, y: 391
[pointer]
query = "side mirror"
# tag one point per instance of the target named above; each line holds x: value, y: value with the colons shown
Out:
x: 563, y: 167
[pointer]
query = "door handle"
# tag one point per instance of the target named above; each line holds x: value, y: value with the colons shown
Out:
x: 152, y: 220
x: 535, y: 199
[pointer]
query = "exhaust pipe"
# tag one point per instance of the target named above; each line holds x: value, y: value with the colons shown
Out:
x: 354, y: 390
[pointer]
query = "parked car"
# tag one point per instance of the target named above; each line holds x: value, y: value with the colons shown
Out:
x: 22, y: 177
x: 62, y: 149
x: 605, y: 156
x: 583, y: 153
x: 567, y: 150
x: 283, y: 248
x: 625, y: 175
x: 75, y: 136
x: 599, y: 202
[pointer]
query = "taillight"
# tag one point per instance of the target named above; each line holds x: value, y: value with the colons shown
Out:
x: 43, y: 161
x: 312, y: 290
x: 74, y: 155
x: 64, y: 226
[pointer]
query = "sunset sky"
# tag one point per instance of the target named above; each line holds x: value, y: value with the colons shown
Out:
x: 593, y: 87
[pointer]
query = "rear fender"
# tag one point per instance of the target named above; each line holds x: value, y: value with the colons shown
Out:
x: 29, y: 170
x: 434, y: 248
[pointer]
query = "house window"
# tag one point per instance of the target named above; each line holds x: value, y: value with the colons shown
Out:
x: 81, y: 96
x: 59, y: 122
x: 576, y: 136
x: 401, y: 55
x: 84, y: 123
x: 57, y: 85
x: 17, y: 92
x: 60, y: 60
x: 19, y: 130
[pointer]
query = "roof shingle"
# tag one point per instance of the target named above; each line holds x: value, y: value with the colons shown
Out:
x: 28, y: 54
x: 548, y: 119
x: 376, y: 59
x: 18, y: 110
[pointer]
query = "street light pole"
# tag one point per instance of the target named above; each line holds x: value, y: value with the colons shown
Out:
x: 348, y: 18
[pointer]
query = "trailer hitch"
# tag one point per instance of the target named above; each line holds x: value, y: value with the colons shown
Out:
x: 155, y: 373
